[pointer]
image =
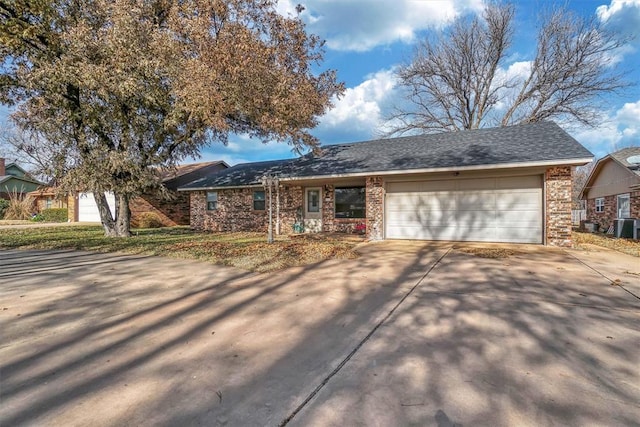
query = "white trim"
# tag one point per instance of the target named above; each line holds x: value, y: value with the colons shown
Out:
x: 568, y: 162
x: 601, y: 199
x: 619, y: 213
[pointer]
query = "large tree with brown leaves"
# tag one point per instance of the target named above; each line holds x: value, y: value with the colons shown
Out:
x: 122, y: 88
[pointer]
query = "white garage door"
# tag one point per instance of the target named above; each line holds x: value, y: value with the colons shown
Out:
x: 486, y: 210
x: 88, y: 210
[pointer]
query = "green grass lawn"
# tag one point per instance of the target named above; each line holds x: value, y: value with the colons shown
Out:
x: 248, y: 251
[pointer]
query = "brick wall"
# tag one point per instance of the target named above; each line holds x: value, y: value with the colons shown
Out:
x: 72, y: 208
x: 605, y: 219
x: 174, y: 211
x: 56, y: 203
x: 375, y: 207
x: 635, y: 204
x: 331, y: 224
x: 235, y: 210
x: 558, y: 184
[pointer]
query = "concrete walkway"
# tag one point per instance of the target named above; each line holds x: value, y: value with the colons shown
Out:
x: 387, y: 339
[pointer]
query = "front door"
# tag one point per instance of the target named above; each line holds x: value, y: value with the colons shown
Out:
x: 312, y: 210
x: 624, y: 206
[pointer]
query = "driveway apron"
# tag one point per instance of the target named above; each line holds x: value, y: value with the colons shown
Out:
x: 538, y: 338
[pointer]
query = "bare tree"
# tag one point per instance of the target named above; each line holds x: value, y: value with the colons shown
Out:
x: 459, y: 80
x: 580, y: 176
x: 32, y: 151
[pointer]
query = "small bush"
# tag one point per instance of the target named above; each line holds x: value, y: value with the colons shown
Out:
x: 4, y: 204
x: 53, y: 215
x: 149, y: 220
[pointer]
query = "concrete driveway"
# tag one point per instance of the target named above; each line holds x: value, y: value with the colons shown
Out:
x: 410, y: 333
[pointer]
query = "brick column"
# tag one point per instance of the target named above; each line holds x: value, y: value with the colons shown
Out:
x: 375, y: 208
x: 557, y: 181
x: 198, y: 207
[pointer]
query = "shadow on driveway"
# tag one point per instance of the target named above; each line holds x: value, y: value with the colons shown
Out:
x: 536, y: 338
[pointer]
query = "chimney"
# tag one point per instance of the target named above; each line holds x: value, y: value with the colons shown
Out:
x: 2, y: 169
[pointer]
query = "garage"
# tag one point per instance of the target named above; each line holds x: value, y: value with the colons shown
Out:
x: 88, y: 210
x: 500, y: 209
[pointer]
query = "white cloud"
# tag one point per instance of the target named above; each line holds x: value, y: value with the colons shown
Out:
x: 242, y: 149
x: 620, y: 129
x: 621, y: 15
x: 360, y: 25
x: 360, y: 111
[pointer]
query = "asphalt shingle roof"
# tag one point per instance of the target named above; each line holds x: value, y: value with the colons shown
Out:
x: 536, y: 142
x: 624, y: 154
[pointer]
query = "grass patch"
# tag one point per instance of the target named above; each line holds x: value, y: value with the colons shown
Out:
x: 15, y: 222
x: 248, y: 251
x: 627, y: 246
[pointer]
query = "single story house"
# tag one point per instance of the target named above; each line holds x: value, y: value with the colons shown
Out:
x: 510, y: 184
x: 170, y: 211
x: 15, y: 180
x: 613, y: 188
x: 48, y: 198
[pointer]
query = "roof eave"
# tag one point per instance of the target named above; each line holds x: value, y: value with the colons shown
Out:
x: 219, y: 187
x: 596, y: 170
x: 544, y: 163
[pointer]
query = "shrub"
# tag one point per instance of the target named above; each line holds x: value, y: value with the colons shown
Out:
x: 54, y: 215
x: 149, y: 220
x: 19, y: 208
x: 4, y: 204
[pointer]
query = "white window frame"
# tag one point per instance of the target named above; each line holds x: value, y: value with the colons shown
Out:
x: 623, y: 213
x: 599, y: 204
x: 212, y: 198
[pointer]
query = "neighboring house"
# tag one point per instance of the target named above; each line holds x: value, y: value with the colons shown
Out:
x: 47, y: 198
x: 171, y: 211
x: 14, y: 179
x: 510, y: 184
x: 613, y: 188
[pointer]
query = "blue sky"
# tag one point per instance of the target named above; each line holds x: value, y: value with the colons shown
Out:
x: 366, y: 39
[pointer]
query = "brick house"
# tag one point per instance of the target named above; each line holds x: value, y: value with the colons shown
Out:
x: 171, y: 211
x: 15, y: 180
x: 613, y: 188
x: 510, y: 184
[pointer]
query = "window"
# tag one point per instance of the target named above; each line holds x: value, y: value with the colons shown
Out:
x: 212, y: 200
x: 600, y: 204
x: 624, y: 206
x: 49, y: 203
x: 350, y: 202
x: 313, y: 201
x: 258, y: 201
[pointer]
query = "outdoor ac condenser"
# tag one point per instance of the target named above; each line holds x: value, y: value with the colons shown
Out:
x: 626, y: 227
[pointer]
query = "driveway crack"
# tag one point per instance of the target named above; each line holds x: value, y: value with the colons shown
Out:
x: 363, y: 341
x: 613, y: 282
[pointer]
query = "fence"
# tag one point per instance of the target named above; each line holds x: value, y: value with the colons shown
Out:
x: 578, y: 215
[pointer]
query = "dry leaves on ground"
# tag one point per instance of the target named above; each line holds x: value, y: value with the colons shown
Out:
x: 627, y: 246
x: 489, y: 252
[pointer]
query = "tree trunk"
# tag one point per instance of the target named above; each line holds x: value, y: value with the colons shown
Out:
x: 123, y: 215
x: 105, y: 214
x: 120, y: 225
